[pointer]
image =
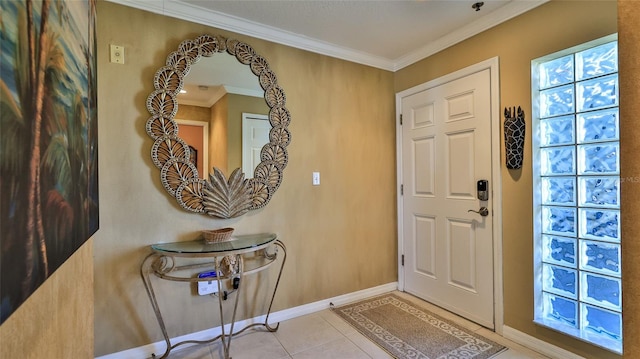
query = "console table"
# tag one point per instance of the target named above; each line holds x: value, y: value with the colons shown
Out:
x: 252, y: 253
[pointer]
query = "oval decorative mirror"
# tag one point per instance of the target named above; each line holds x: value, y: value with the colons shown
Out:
x: 216, y: 196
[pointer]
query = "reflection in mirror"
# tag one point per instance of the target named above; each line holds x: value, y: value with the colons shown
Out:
x: 196, y: 135
x: 216, y: 195
x: 217, y: 91
x: 255, y: 134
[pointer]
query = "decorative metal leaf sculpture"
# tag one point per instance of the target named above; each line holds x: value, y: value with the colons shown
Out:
x: 226, y: 199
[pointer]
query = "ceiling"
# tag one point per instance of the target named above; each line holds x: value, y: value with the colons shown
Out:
x: 387, y: 34
x: 215, y: 76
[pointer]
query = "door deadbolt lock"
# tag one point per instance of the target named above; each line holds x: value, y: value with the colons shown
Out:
x: 483, y: 211
x: 482, y: 188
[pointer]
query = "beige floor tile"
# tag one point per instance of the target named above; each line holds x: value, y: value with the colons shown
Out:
x: 191, y: 352
x: 325, y: 335
x: 306, y: 332
x: 339, y: 348
x: 515, y: 349
x: 369, y: 347
x: 337, y: 322
x: 251, y: 345
x: 513, y: 354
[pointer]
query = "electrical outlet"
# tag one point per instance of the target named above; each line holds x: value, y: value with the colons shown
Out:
x: 316, y: 178
x: 117, y: 54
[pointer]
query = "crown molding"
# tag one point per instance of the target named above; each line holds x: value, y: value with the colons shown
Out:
x: 497, y: 17
x: 189, y: 12
x: 242, y: 26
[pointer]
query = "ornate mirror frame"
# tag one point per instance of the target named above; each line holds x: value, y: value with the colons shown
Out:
x: 218, y: 196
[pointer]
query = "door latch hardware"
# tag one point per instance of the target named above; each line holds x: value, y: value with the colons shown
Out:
x: 483, y: 211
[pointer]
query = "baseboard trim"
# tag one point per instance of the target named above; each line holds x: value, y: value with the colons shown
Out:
x: 145, y: 351
x: 538, y: 345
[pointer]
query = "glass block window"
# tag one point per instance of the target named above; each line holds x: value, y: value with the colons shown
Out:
x: 576, y: 192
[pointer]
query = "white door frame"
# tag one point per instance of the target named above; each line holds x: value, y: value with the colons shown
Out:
x: 495, y: 197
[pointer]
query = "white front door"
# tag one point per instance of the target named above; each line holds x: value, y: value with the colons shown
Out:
x: 445, y: 150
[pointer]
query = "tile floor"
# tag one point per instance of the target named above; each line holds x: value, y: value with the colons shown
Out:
x: 324, y: 335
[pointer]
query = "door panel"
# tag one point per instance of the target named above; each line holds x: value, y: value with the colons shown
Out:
x: 461, y: 165
x: 461, y: 243
x: 425, y: 242
x: 460, y: 106
x: 446, y: 149
x: 424, y: 154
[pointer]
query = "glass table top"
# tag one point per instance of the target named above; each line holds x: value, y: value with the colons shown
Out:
x: 198, y: 245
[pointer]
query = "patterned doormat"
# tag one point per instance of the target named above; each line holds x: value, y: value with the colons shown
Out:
x: 406, y: 330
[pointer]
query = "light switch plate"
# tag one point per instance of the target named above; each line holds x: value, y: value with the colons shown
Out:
x: 316, y: 178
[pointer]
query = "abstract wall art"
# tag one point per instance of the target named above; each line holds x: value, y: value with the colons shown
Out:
x: 514, y: 135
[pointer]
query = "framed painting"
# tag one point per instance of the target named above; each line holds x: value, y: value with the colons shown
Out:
x: 48, y: 141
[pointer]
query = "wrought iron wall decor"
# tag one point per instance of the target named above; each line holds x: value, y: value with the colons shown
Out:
x: 218, y: 196
x: 514, y: 131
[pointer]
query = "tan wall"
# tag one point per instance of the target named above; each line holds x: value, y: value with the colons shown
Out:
x: 193, y: 113
x: 56, y: 321
x: 549, y: 28
x: 628, y: 53
x: 218, y: 149
x: 340, y: 236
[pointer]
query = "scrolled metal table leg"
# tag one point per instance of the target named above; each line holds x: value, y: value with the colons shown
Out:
x: 226, y: 338
x: 275, y: 289
x: 145, y: 269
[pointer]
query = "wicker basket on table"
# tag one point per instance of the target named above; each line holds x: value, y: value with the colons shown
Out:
x: 217, y: 235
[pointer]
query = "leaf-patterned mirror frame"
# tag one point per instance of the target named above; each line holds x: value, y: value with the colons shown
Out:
x: 218, y: 196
